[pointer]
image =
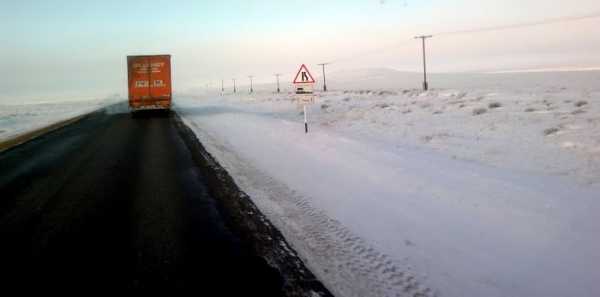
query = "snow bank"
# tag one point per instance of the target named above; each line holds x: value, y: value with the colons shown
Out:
x: 19, y: 119
x: 452, y: 192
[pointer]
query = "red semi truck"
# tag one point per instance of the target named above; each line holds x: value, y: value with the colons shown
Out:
x: 149, y: 81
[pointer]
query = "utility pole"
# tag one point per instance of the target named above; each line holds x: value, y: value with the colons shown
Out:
x: 251, y: 89
x: 324, y: 81
x: 234, y: 85
x: 423, y: 37
x: 222, y: 86
x: 277, y: 76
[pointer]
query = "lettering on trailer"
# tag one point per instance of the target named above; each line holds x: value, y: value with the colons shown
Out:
x: 158, y: 83
x: 148, y: 67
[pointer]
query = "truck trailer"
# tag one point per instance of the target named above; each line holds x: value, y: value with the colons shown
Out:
x: 149, y: 81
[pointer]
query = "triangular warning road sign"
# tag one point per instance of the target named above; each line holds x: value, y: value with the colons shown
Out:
x: 303, y: 76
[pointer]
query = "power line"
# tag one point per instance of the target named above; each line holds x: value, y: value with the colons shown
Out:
x: 523, y: 25
x: 407, y: 41
x: 372, y: 51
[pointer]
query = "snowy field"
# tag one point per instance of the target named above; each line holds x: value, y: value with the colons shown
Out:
x: 487, y: 185
x: 17, y: 119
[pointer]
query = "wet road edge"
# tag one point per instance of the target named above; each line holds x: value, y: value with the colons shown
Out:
x: 247, y: 221
x: 14, y: 141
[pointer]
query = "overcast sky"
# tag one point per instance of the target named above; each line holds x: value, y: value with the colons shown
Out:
x: 77, y: 49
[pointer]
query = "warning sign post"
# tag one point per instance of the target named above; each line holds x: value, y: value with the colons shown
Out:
x: 304, y: 84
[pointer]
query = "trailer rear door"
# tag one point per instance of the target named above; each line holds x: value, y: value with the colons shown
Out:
x: 149, y: 82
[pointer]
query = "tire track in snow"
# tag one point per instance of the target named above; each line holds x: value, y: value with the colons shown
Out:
x: 346, y: 263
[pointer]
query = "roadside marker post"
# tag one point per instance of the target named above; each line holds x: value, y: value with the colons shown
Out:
x: 304, y: 85
x: 305, y: 120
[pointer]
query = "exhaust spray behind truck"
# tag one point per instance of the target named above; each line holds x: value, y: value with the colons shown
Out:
x: 149, y: 81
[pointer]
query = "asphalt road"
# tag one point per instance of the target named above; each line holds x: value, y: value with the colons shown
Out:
x: 115, y: 202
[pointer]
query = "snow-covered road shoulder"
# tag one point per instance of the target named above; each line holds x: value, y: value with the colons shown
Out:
x: 20, y: 123
x: 374, y: 214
